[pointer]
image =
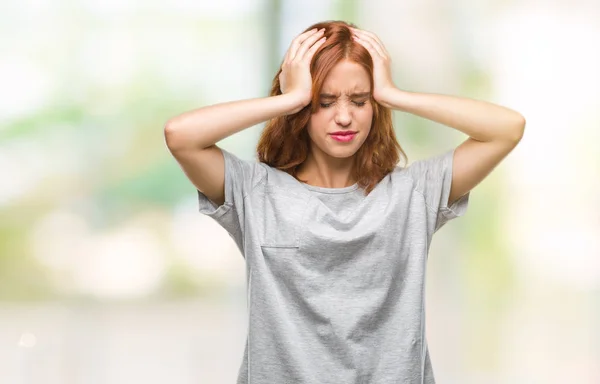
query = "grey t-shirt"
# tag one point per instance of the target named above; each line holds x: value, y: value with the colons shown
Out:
x: 335, y: 279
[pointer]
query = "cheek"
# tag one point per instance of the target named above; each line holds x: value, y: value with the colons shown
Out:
x: 365, y: 115
x: 317, y: 120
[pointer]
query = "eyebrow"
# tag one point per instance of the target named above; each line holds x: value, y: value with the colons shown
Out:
x: 358, y: 94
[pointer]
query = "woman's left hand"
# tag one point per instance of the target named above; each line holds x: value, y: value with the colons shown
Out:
x: 382, y: 73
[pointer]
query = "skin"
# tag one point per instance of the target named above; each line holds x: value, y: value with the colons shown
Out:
x: 345, y: 105
x: 493, y: 130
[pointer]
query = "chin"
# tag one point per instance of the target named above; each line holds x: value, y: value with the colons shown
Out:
x: 342, y: 153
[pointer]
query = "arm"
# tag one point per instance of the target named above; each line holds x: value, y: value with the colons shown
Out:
x: 493, y: 130
x: 203, y: 127
x: 481, y: 120
x: 191, y: 136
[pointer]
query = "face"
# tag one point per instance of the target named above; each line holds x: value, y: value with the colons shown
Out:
x: 345, y: 105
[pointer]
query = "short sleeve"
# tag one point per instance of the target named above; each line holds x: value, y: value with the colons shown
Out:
x: 241, y: 177
x: 433, y: 178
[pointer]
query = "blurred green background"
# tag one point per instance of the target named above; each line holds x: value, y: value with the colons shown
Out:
x: 108, y: 273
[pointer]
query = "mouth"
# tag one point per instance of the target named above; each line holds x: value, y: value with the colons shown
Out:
x: 343, y: 136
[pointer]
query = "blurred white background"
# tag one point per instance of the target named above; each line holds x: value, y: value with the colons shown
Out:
x: 108, y: 273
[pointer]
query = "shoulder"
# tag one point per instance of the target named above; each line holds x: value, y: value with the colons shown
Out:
x: 276, y: 182
x: 277, y: 177
x: 428, y: 167
x: 398, y: 182
x: 400, y: 173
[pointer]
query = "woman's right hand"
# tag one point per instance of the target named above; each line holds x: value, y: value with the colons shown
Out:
x: 295, y: 78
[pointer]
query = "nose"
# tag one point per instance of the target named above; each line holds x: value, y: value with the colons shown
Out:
x: 343, y: 116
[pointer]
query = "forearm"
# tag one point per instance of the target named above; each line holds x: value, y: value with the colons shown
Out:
x: 203, y: 127
x: 483, y: 121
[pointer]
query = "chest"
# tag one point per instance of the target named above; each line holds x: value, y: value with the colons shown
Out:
x: 338, y: 246
x: 336, y: 224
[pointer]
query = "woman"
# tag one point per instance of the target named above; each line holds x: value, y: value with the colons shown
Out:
x: 334, y: 232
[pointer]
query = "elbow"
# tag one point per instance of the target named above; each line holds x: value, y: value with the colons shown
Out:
x: 521, y: 126
x: 179, y: 138
x: 172, y: 136
x: 518, y: 129
x: 521, y: 121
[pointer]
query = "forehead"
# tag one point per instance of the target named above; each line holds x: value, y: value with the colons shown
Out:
x: 346, y: 77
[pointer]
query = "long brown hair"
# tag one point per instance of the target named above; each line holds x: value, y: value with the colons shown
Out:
x: 284, y: 143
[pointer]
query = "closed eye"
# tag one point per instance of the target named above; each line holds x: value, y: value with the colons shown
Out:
x: 357, y: 103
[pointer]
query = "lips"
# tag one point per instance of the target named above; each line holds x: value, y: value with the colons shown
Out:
x: 346, y: 136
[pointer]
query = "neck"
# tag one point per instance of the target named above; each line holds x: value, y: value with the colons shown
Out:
x: 322, y: 170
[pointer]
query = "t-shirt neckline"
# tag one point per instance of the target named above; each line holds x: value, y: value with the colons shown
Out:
x: 331, y: 190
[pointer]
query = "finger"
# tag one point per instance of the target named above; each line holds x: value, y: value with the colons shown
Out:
x: 307, y: 44
x: 372, y: 42
x: 291, y: 53
x: 375, y: 37
x: 311, y: 52
x: 371, y: 34
x: 290, y: 48
x: 375, y: 41
x: 299, y: 37
x: 368, y: 46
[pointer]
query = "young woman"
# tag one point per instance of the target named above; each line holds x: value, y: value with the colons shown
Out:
x: 334, y: 232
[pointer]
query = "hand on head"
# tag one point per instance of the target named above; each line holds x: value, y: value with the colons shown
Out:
x: 382, y: 73
x: 295, y: 74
